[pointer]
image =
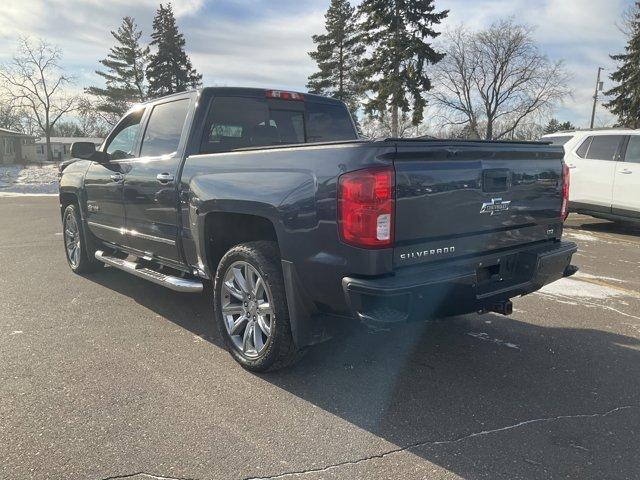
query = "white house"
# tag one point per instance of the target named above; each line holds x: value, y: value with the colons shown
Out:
x: 61, y: 147
x: 16, y: 147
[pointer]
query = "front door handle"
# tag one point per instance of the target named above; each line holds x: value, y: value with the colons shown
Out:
x: 164, y: 177
x: 626, y: 172
x: 117, y: 177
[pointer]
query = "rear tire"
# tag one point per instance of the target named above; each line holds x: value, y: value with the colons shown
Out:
x: 79, y: 252
x: 251, y: 307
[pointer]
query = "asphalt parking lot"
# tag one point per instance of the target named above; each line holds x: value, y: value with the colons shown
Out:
x: 108, y: 376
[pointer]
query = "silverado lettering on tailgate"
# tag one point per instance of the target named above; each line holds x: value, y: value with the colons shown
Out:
x: 427, y: 253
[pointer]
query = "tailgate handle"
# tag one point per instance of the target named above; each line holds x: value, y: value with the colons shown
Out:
x: 496, y: 180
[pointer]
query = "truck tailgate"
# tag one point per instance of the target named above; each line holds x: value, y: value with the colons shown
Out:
x: 473, y: 198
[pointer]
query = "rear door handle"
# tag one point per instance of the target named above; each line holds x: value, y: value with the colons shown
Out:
x: 626, y: 172
x: 571, y: 166
x: 164, y: 177
x: 117, y: 177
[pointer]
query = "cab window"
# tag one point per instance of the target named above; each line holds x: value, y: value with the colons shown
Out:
x: 239, y: 122
x: 164, y: 129
x: 122, y: 141
x: 329, y: 123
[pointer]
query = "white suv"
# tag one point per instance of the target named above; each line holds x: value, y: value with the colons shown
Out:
x: 605, y: 172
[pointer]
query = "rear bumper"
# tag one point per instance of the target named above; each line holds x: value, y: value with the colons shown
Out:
x: 457, y: 287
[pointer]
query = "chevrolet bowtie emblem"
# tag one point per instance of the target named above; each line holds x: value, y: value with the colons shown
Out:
x: 495, y: 206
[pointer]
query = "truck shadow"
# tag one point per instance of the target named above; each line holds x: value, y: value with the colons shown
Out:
x: 424, y: 384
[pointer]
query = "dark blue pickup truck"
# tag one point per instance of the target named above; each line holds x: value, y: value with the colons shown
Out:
x: 298, y: 223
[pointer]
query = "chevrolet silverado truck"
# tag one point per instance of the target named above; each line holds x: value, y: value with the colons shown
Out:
x: 273, y: 199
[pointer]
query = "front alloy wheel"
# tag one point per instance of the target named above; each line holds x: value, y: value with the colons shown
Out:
x: 78, y: 247
x: 72, y: 239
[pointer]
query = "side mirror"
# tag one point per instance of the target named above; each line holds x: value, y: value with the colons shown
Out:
x: 84, y: 150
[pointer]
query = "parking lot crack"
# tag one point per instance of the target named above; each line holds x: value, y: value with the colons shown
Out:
x: 300, y: 473
x: 145, y: 476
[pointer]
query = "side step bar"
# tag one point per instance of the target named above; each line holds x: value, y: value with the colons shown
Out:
x: 177, y: 284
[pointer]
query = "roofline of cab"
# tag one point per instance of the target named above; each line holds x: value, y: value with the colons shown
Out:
x: 231, y: 91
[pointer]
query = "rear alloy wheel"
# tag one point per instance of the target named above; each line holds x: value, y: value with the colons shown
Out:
x: 246, y: 308
x: 80, y: 255
x: 251, y: 308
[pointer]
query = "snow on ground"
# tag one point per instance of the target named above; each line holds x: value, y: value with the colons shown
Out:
x: 573, y: 288
x: 29, y: 180
x: 585, y: 237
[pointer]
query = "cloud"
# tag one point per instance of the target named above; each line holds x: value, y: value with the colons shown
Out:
x: 581, y: 33
x: 265, y: 42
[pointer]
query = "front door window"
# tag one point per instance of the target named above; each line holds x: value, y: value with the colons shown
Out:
x: 122, y: 142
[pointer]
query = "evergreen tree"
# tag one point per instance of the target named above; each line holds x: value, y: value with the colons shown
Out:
x: 552, y: 127
x: 169, y: 70
x: 124, y: 77
x: 338, y: 55
x: 555, y: 126
x: 398, y: 32
x: 626, y: 95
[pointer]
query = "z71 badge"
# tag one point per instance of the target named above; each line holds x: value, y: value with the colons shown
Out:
x: 495, y: 206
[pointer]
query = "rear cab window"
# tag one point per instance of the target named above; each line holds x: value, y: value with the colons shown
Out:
x: 236, y: 122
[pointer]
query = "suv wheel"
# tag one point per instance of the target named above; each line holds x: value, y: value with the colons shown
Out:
x: 251, y: 308
x: 80, y: 255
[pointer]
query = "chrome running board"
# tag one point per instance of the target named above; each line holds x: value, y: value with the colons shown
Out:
x: 177, y: 284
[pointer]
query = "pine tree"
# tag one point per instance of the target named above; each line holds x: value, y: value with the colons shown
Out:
x: 555, y: 126
x: 338, y: 55
x: 398, y: 31
x: 626, y: 95
x: 169, y: 70
x: 552, y: 127
x: 124, y: 77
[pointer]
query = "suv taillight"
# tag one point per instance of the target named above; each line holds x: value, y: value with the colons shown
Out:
x: 366, y: 207
x: 566, y: 182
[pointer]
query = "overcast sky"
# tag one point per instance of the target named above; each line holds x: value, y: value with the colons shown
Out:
x: 265, y: 42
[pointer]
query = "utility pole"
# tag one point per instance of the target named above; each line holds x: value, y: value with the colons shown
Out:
x: 595, y: 97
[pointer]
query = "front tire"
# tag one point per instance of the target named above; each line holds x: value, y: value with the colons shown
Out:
x: 80, y: 255
x: 251, y: 308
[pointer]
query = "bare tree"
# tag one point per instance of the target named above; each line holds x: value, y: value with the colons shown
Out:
x: 35, y: 82
x: 626, y: 23
x: 91, y: 121
x: 492, y: 81
x: 11, y: 117
x: 382, y: 126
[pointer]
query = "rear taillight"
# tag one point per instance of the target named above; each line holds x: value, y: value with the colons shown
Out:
x: 366, y: 207
x: 566, y: 182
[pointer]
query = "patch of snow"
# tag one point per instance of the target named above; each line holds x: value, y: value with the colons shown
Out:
x: 568, y: 288
x: 30, y: 179
x: 585, y: 237
x: 486, y: 338
x: 19, y: 194
x: 581, y: 274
